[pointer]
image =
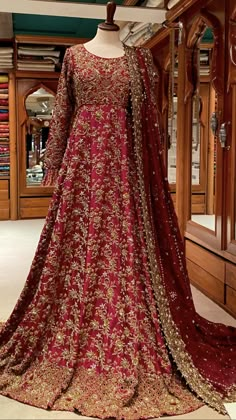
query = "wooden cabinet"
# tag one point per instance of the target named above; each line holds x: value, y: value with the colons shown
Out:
x: 21, y: 195
x: 206, y: 271
x: 207, y: 209
x: 213, y: 275
x: 230, y: 287
x: 35, y: 91
x: 4, y: 199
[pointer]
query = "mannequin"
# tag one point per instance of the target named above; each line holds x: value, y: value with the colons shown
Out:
x: 107, y: 43
x: 106, y: 316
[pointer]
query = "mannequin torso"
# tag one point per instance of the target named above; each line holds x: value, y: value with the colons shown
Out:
x: 106, y: 44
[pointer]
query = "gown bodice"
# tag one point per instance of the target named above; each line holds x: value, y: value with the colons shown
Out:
x: 98, y: 80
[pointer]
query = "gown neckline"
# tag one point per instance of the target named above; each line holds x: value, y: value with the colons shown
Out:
x: 103, y: 58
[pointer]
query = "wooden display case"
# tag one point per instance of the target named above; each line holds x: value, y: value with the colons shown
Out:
x: 4, y: 199
x: 19, y: 198
x: 210, y: 237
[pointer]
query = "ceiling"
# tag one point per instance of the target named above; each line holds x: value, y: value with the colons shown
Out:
x: 52, y: 25
x: 57, y: 26
x: 32, y: 24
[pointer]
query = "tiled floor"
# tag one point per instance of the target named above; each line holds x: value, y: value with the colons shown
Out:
x: 18, y: 241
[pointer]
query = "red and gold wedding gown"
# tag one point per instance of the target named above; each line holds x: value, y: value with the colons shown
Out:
x: 105, y: 324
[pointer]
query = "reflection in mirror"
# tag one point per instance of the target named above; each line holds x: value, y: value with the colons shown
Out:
x: 172, y: 109
x: 39, y: 106
x: 172, y: 136
x: 203, y: 141
x: 196, y: 140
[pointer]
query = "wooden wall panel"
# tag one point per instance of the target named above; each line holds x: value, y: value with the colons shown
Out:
x: 230, y: 276
x: 4, y: 200
x: 206, y: 260
x: 4, y: 213
x: 33, y: 212
x: 213, y: 275
x: 34, y: 207
x: 231, y: 300
x: 198, y: 203
x: 206, y: 282
x: 35, y: 202
x: 4, y: 184
x: 4, y: 195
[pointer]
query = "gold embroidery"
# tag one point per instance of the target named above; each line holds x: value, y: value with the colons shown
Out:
x: 85, y: 332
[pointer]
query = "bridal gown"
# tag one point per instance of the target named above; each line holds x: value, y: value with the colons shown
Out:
x: 89, y: 332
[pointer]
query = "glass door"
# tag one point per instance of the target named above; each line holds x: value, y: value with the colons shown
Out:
x: 207, y: 151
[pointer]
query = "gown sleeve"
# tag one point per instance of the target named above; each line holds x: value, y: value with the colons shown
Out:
x: 60, y: 123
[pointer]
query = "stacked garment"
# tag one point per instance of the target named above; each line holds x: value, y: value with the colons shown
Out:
x: 38, y: 58
x: 6, y: 58
x: 204, y: 61
x: 4, y: 160
x: 4, y: 128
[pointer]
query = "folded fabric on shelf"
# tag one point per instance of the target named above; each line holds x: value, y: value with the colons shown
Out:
x: 3, y: 101
x: 37, y: 59
x: 4, y: 117
x: 6, y: 50
x: 3, y: 78
x: 34, y: 68
x: 7, y: 56
x: 33, y: 51
x: 6, y: 65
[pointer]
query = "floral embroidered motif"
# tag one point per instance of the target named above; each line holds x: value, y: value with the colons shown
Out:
x: 87, y: 331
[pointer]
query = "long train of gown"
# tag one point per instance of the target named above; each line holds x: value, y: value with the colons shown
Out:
x: 86, y: 332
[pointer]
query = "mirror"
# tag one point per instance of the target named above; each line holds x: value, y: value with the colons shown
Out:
x: 39, y: 106
x: 172, y: 137
x: 203, y: 142
x: 172, y: 110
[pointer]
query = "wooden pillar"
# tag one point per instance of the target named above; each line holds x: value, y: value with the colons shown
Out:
x: 13, y: 148
x: 184, y: 144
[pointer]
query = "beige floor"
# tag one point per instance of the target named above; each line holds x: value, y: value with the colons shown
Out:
x: 18, y: 241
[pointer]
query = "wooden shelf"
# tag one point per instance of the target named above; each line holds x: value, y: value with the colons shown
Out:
x: 7, y: 70
x: 22, y: 74
x: 48, y: 40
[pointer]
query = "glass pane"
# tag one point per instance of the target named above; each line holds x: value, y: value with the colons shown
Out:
x: 196, y: 142
x: 39, y: 106
x: 203, y: 147
x: 172, y: 137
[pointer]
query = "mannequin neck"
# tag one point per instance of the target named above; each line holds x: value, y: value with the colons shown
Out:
x: 106, y: 44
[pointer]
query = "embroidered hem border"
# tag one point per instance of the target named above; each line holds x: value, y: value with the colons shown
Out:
x: 102, y: 395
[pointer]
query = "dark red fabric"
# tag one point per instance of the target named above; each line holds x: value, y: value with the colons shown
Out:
x: 3, y: 101
x: 212, y: 346
x: 4, y: 116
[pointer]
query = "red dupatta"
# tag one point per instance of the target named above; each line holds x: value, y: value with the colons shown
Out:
x: 204, y: 352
